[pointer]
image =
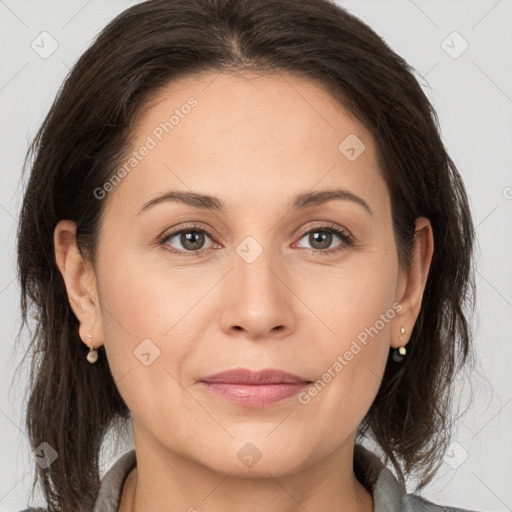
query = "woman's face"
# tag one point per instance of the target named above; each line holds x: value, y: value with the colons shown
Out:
x: 257, y: 279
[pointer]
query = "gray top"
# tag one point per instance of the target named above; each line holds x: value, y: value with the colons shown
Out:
x: 388, y: 495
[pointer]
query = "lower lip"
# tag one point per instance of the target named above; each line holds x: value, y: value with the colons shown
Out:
x: 257, y: 395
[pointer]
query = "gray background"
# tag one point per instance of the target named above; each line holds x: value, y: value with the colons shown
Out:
x: 472, y: 92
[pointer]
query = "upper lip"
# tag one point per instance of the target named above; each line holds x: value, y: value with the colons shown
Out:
x: 246, y: 376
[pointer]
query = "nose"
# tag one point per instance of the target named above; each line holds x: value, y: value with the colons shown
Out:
x: 259, y: 301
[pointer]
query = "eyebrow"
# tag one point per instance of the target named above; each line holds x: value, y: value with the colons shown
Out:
x: 301, y: 201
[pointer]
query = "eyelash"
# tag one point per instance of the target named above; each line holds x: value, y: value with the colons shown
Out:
x: 347, y: 239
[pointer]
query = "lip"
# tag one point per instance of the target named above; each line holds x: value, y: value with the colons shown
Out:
x: 252, y: 377
x: 254, y: 388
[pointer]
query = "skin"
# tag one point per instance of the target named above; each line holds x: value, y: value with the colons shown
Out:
x: 253, y: 142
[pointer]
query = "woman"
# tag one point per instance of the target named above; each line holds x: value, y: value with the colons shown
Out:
x: 242, y: 233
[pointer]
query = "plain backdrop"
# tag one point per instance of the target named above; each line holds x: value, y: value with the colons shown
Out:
x: 462, y: 53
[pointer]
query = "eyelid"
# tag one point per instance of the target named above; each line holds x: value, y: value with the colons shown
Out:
x: 324, y: 225
x: 186, y: 227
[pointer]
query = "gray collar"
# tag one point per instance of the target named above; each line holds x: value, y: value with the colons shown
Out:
x: 388, y: 494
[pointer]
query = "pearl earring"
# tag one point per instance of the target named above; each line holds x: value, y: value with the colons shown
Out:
x: 92, y: 356
x: 401, y: 350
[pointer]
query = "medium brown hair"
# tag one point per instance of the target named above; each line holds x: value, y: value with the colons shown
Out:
x: 72, y: 404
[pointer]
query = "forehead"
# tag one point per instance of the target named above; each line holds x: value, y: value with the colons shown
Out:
x: 246, y: 135
x: 288, y: 105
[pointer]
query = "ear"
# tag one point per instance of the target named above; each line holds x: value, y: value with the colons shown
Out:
x: 412, y: 283
x: 80, y: 282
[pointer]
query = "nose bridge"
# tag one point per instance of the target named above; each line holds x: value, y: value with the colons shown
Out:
x: 260, y: 301
x: 257, y: 268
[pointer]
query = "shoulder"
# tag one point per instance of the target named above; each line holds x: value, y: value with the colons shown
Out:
x: 388, y: 494
x: 109, y: 494
x: 414, y: 503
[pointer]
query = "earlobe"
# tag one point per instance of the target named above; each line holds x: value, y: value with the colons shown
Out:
x: 416, y: 280
x: 78, y: 277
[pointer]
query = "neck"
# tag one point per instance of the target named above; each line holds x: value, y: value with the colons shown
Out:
x: 184, y: 485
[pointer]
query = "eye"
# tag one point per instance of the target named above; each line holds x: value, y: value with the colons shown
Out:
x: 191, y: 238
x: 321, y: 237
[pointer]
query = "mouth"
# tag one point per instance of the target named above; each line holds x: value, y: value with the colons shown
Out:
x: 254, y: 388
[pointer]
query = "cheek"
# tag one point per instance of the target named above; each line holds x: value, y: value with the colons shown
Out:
x: 144, y: 319
x: 352, y: 297
x: 153, y: 317
x: 146, y: 341
x: 143, y: 297
x: 354, y: 307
